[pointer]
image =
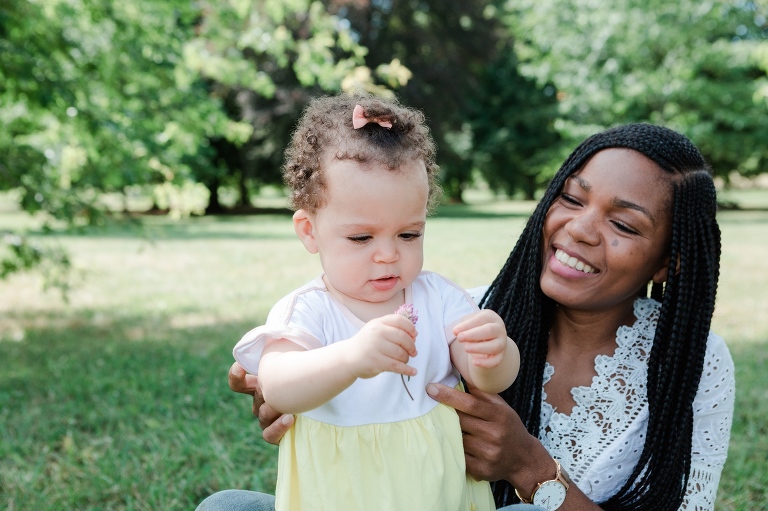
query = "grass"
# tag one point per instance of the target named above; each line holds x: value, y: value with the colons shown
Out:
x: 117, y: 399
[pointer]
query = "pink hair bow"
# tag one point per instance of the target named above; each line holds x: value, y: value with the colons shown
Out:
x: 359, y: 119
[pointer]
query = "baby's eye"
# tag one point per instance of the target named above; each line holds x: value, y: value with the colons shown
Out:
x: 410, y: 236
x: 360, y: 238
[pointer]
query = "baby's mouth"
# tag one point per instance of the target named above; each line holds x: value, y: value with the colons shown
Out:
x: 384, y: 283
x: 572, y: 262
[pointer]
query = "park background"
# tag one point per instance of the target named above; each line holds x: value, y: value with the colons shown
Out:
x: 143, y: 227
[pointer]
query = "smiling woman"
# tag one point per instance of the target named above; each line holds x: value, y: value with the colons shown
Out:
x: 634, y: 396
x: 613, y: 220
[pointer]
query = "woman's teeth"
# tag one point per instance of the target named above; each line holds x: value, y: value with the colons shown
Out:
x: 572, y: 262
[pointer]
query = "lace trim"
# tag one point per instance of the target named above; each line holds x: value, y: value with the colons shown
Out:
x: 702, y: 488
x: 605, y: 409
x: 600, y: 441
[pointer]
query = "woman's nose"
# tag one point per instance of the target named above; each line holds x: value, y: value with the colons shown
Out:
x: 583, y: 227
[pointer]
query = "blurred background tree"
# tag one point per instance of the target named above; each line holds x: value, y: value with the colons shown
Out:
x: 461, y: 59
x: 100, y: 97
x: 698, y: 67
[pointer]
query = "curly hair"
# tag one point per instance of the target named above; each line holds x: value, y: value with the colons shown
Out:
x: 325, y: 133
x: 687, y: 299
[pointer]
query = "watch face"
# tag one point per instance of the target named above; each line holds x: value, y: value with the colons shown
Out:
x: 550, y: 495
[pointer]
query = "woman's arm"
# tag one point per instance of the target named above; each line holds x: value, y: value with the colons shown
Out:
x: 712, y: 419
x: 295, y: 380
x: 498, y: 447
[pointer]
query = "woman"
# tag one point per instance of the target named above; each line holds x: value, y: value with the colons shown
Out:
x: 632, y: 396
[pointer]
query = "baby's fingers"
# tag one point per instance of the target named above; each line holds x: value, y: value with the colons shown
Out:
x: 477, y: 319
x: 486, y: 361
x: 481, y: 334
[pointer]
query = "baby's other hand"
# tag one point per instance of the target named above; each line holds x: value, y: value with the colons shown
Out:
x: 383, y: 344
x: 484, y: 337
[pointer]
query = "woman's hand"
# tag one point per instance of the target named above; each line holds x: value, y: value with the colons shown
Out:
x: 273, y: 424
x: 496, y: 442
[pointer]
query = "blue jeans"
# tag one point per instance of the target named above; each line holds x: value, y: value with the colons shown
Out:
x: 243, y: 500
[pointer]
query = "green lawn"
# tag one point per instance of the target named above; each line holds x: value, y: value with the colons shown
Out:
x: 117, y: 399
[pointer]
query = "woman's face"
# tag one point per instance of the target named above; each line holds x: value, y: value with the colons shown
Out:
x: 608, y: 233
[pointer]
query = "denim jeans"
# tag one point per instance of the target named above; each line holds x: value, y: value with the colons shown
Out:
x: 243, y: 500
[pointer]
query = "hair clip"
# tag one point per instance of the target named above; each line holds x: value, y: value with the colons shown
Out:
x: 359, y: 119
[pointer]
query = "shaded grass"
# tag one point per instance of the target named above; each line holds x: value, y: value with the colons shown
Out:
x: 118, y: 398
x: 94, y: 422
x: 744, y: 482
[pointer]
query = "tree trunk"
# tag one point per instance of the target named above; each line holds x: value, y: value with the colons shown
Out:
x: 244, y: 199
x: 214, y: 206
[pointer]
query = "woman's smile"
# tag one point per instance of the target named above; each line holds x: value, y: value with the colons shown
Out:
x: 573, y: 262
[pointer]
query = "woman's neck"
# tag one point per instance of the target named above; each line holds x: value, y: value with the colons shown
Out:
x: 588, y: 330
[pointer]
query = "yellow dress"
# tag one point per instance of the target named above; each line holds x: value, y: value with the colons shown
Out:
x: 374, y: 446
x: 416, y: 464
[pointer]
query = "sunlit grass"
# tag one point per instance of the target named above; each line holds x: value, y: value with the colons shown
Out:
x: 117, y: 398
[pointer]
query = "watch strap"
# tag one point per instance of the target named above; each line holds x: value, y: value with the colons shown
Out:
x: 558, y: 477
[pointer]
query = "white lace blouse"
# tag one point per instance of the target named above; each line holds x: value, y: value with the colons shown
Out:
x: 600, y: 442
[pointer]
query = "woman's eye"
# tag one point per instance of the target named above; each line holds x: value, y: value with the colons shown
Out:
x: 410, y: 236
x: 569, y: 199
x: 624, y: 228
x: 363, y: 238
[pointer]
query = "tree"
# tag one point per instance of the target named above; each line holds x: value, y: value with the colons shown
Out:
x: 447, y: 45
x: 265, y: 60
x: 90, y: 104
x: 693, y: 66
x: 99, y: 95
x: 512, y: 126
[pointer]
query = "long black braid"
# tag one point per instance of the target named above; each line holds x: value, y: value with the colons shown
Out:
x: 687, y: 300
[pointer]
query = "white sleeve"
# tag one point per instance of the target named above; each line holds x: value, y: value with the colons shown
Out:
x: 292, y: 318
x: 712, y: 418
x: 457, y: 303
x: 477, y: 293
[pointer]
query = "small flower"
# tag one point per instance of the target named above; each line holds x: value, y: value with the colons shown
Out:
x: 409, y: 312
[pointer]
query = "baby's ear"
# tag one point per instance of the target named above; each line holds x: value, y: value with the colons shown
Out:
x: 304, y: 225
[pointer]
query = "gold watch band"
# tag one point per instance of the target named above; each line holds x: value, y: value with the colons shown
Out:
x: 558, y: 477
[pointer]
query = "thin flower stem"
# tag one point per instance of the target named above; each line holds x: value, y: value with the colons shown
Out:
x: 412, y: 315
x: 402, y: 377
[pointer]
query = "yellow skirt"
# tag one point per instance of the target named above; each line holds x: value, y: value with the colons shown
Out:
x: 416, y: 464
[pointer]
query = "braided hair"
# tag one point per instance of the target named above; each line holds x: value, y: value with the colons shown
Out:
x: 687, y: 302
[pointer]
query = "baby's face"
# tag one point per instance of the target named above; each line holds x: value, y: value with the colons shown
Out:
x: 370, y: 232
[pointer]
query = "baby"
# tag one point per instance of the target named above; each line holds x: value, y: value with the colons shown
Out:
x: 363, y: 176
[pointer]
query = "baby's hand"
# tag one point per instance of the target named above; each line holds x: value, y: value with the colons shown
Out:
x: 484, y: 337
x: 383, y: 344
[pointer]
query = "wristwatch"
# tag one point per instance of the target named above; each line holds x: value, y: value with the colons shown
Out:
x: 550, y: 494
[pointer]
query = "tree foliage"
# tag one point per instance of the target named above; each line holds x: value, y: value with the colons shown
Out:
x: 699, y: 67
x: 512, y: 126
x: 450, y: 47
x: 264, y: 60
x: 97, y: 96
x: 100, y: 96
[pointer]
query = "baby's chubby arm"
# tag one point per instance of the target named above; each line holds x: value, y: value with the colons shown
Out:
x: 482, y: 352
x: 295, y: 380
